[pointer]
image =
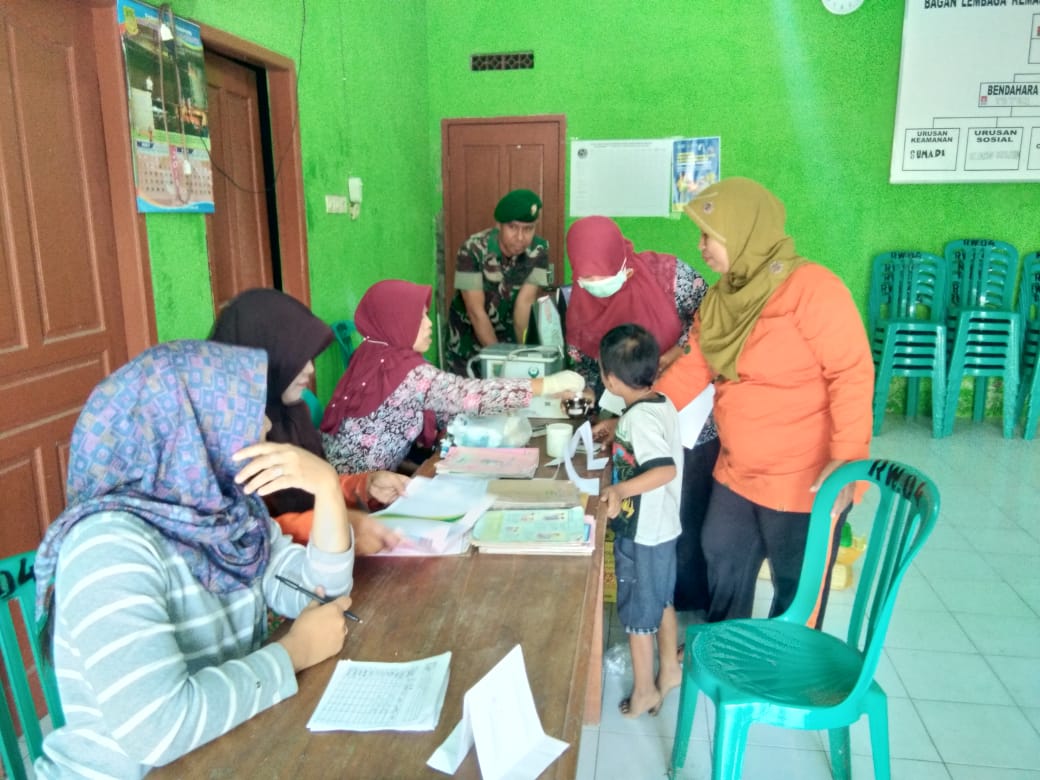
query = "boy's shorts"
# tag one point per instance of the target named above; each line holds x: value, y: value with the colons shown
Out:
x: 645, y: 583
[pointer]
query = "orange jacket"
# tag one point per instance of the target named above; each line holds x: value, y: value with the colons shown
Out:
x: 804, y: 395
x: 355, y: 493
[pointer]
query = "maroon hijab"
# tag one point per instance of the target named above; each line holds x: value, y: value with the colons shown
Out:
x: 596, y: 247
x: 388, y: 317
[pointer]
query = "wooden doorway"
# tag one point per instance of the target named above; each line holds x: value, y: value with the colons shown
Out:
x: 75, y: 293
x: 482, y: 160
x: 257, y: 235
x: 238, y: 232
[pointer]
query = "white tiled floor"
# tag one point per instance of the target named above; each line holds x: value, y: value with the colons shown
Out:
x: 962, y: 657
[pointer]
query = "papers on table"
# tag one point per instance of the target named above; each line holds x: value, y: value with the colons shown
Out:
x: 583, y: 436
x: 434, y: 516
x: 499, y: 716
x: 523, y: 493
x: 375, y: 696
x: 491, y: 462
x: 535, y: 532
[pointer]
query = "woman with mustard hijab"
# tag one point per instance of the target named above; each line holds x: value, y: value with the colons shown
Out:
x: 783, y: 342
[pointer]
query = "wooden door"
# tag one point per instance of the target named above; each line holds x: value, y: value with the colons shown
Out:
x: 237, y: 232
x: 61, y: 311
x: 482, y: 160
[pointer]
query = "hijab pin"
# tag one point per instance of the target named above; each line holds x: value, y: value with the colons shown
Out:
x: 709, y: 207
x: 776, y: 267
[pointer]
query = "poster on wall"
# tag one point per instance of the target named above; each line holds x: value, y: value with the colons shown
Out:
x: 620, y: 178
x: 169, y: 118
x: 695, y: 165
x: 968, y: 108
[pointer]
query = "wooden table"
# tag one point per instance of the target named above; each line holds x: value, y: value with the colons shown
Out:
x: 478, y: 607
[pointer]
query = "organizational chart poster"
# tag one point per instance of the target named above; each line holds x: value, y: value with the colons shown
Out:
x: 969, y: 92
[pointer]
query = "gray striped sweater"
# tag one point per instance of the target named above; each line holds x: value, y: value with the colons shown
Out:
x: 151, y: 665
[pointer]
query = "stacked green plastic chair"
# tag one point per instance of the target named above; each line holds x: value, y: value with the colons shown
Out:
x: 782, y: 673
x: 17, y: 619
x: 984, y: 333
x: 1029, y: 311
x: 907, y: 328
x: 344, y: 331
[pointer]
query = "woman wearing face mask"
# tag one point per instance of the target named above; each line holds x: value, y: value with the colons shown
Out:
x: 390, y: 397
x: 614, y: 285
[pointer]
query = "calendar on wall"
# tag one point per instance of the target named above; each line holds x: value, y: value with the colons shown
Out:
x: 169, y: 112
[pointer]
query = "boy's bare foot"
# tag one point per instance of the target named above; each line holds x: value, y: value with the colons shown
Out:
x: 633, y: 706
x: 669, y: 679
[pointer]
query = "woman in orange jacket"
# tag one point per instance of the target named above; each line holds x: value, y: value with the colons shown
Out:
x: 785, y: 346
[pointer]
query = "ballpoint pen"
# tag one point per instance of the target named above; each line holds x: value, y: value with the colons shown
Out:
x: 323, y: 599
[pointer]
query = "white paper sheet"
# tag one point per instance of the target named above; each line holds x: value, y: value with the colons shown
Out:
x: 377, y: 696
x: 614, y: 404
x: 693, y: 416
x: 621, y: 178
x: 499, y: 716
x: 418, y: 516
x: 583, y: 436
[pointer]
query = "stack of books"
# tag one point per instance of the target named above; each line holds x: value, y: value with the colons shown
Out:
x: 535, y: 531
x: 492, y: 462
x: 533, y: 493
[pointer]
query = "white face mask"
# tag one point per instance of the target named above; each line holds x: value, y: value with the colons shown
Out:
x: 604, y: 288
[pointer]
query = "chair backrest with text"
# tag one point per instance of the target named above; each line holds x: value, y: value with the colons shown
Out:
x: 17, y: 629
x: 983, y: 273
x: 907, y: 286
x: 907, y: 508
x: 783, y: 673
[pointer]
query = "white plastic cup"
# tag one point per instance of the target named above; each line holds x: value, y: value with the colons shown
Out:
x: 557, y: 437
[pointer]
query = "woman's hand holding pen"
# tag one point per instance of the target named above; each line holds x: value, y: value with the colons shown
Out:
x: 318, y: 633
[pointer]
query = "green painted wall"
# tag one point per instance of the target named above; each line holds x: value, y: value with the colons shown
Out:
x: 804, y: 102
x: 363, y: 112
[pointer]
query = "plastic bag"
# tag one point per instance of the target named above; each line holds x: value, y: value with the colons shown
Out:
x: 618, y: 660
x: 495, y: 430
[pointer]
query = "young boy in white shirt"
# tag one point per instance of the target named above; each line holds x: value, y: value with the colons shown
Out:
x: 643, y: 504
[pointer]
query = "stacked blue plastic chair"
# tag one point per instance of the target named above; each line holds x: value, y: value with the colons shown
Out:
x: 907, y: 328
x: 781, y: 672
x: 984, y: 333
x: 1029, y: 311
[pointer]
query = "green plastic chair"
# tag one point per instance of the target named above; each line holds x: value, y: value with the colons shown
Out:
x: 344, y: 331
x: 782, y: 673
x: 17, y: 628
x: 314, y: 406
x: 1029, y: 312
x: 906, y: 323
x: 984, y: 331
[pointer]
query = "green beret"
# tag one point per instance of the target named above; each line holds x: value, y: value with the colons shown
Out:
x: 518, y: 206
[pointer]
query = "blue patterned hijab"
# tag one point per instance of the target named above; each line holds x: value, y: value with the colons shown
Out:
x: 155, y: 439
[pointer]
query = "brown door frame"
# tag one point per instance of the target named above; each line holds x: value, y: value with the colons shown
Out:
x: 285, y: 138
x: 556, y: 255
x: 131, y: 235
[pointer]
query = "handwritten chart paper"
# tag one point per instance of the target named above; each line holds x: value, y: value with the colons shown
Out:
x: 376, y: 696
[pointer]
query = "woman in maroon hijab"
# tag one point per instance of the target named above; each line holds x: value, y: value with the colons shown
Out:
x: 390, y: 397
x: 613, y: 285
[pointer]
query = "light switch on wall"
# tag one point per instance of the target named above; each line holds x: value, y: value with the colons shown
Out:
x: 354, y: 189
